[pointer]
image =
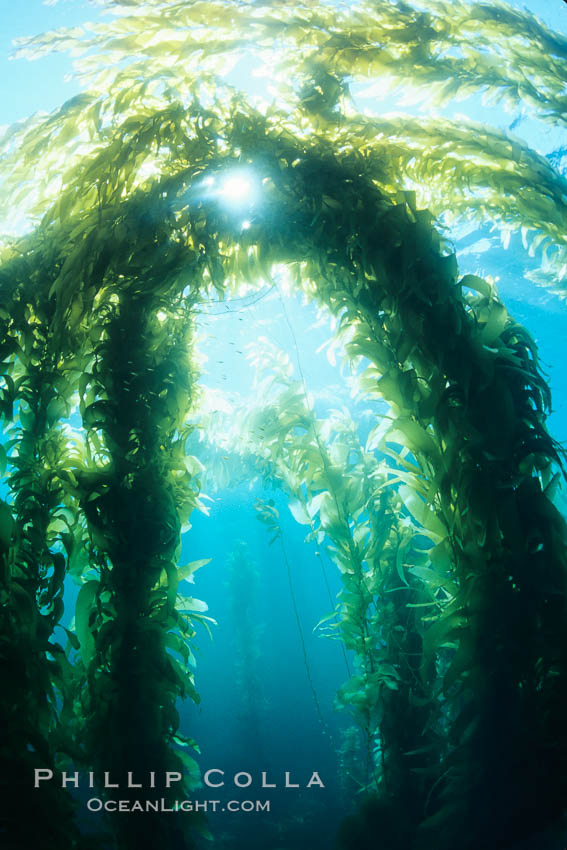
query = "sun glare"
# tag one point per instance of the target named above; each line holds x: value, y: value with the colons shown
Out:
x: 238, y: 190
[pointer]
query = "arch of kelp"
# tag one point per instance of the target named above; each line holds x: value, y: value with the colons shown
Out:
x: 102, y: 306
x: 155, y: 53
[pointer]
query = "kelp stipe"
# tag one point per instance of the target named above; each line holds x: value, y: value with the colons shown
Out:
x: 269, y: 515
x: 242, y: 584
x: 136, y: 394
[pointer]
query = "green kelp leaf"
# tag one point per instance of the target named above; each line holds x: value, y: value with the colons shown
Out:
x: 83, y: 608
x: 7, y: 526
x: 496, y: 318
x: 327, y: 618
x: 553, y: 487
x: 434, y: 580
x: 191, y: 770
x: 444, y: 632
x: 192, y: 604
x: 58, y: 575
x: 172, y: 580
x: 377, y: 435
x: 77, y: 558
x: 299, y: 512
x: 441, y: 555
x: 176, y: 643
x: 434, y: 604
x: 422, y: 512
x: 473, y: 281
x: 461, y: 664
x: 186, y: 571
x: 352, y: 692
x: 200, y: 618
x: 389, y: 387
x: 314, y: 504
x: 388, y: 674
x: 57, y: 409
x: 410, y: 433
x: 57, y: 525
x: 184, y: 741
x: 402, y: 549
x: 73, y: 639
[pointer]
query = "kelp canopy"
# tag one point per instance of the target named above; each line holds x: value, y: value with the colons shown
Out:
x: 122, y: 190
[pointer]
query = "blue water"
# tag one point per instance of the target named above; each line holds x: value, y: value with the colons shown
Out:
x: 293, y: 729
x: 286, y: 733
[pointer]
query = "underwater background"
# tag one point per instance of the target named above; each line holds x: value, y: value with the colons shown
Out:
x: 286, y: 412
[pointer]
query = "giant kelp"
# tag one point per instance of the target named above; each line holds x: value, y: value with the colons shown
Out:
x: 347, y: 500
x: 134, y: 66
x: 243, y: 581
x: 99, y: 300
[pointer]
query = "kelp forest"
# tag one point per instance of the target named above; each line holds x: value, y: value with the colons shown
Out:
x: 221, y: 157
